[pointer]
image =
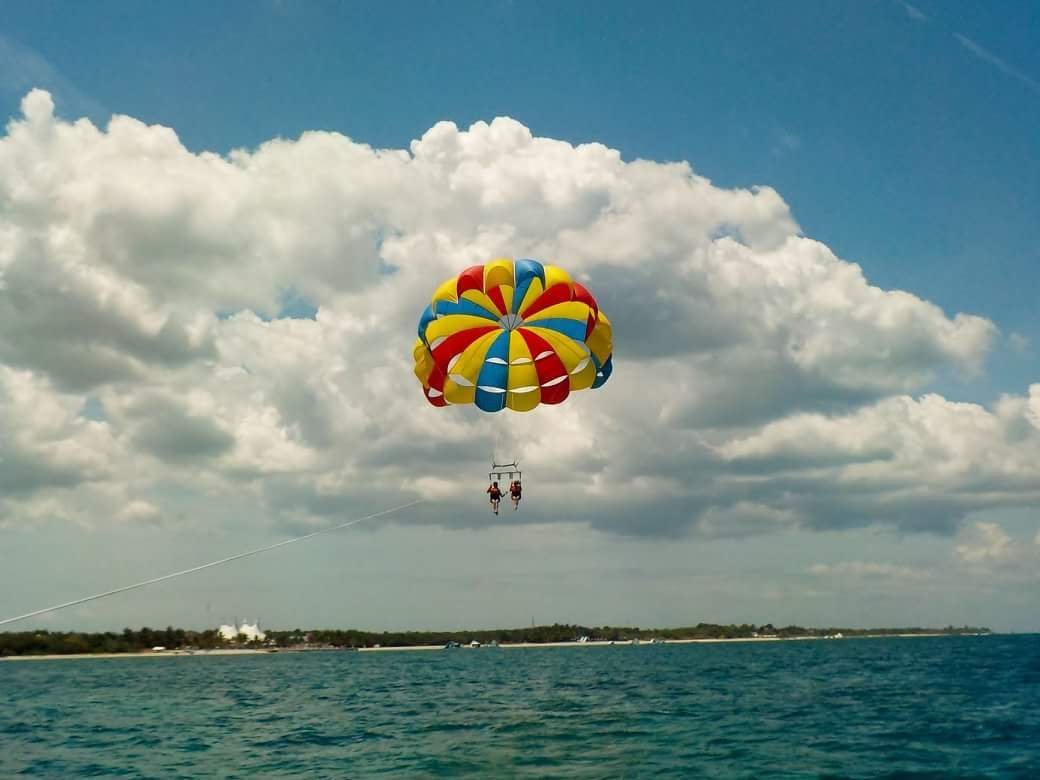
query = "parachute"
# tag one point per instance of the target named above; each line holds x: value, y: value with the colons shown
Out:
x: 511, y: 335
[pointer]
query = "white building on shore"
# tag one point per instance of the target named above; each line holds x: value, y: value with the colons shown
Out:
x: 251, y: 631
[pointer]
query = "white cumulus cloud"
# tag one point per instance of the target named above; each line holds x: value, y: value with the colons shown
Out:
x: 762, y: 382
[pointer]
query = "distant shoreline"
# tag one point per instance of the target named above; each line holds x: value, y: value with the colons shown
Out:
x: 137, y: 654
x: 413, y: 648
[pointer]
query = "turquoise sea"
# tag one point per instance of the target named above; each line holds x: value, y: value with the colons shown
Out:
x: 915, y: 707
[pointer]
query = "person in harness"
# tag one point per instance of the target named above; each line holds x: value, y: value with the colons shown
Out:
x: 515, y: 491
x: 496, y: 495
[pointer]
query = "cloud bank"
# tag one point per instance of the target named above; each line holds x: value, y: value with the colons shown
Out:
x: 150, y: 355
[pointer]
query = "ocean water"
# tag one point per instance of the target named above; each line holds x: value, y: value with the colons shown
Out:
x: 928, y: 707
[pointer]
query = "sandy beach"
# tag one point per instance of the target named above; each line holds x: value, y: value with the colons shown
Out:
x: 623, y: 643
x: 413, y: 648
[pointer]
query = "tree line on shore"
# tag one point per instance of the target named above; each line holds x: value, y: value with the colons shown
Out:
x: 131, y: 641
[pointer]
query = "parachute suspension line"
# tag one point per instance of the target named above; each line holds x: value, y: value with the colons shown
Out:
x: 514, y: 426
x: 510, y: 440
x: 504, y: 464
x: 239, y: 556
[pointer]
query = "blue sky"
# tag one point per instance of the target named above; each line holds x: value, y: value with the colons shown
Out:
x: 904, y: 137
x: 893, y: 142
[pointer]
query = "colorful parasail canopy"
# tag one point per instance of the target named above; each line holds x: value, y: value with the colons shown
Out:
x: 511, y: 335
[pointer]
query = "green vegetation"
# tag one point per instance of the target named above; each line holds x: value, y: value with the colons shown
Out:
x: 562, y: 632
x: 130, y: 641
